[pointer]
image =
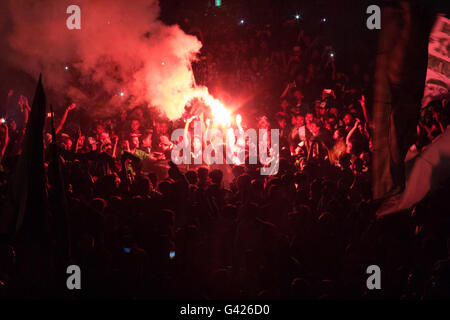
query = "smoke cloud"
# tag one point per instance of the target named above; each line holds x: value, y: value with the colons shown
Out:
x: 122, y: 47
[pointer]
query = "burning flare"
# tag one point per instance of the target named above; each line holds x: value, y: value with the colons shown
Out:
x: 221, y: 114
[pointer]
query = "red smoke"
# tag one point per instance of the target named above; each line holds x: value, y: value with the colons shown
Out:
x: 121, y: 47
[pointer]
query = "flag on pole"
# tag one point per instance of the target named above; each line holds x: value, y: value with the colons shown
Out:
x: 430, y: 170
x: 401, y: 67
x: 25, y: 210
x: 438, y: 72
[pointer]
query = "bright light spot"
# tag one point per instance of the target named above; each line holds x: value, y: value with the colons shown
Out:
x: 122, y: 94
x: 242, y: 21
x: 331, y: 54
x: 238, y: 119
x: 220, y: 113
x: 172, y: 254
x: 2, y: 120
x: 324, y: 19
x: 297, y: 16
x: 66, y: 67
x: 163, y: 63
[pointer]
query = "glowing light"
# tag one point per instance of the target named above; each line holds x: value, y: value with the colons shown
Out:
x: 171, y: 255
x: 2, y: 120
x: 220, y: 113
x: 297, y: 16
x: 218, y: 3
x: 163, y: 63
x: 331, y: 54
x: 122, y: 94
x: 238, y: 120
x: 66, y: 67
x: 324, y: 19
x: 242, y: 21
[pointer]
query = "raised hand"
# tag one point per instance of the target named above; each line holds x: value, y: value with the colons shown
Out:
x: 21, y: 102
x: 362, y: 101
x: 238, y: 120
x: 80, y: 140
x: 25, y: 101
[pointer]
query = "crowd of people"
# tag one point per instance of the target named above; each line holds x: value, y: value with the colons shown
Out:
x: 143, y: 227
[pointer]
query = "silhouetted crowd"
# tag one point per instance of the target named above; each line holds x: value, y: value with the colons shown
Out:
x: 142, y: 227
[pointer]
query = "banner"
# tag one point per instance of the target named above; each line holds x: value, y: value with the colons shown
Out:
x: 399, y: 84
x: 437, y: 82
x: 431, y: 169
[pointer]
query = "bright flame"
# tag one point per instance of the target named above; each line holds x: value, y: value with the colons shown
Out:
x: 220, y: 113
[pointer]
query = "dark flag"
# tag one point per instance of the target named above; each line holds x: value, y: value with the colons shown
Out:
x: 25, y: 213
x: 401, y: 67
x: 25, y: 219
x: 430, y: 167
x: 430, y: 171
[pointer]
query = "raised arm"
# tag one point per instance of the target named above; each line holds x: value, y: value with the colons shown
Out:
x: 64, y: 118
x: 116, y: 140
x: 186, y: 130
x: 362, y: 101
x: 25, y: 108
x: 5, y: 141
x: 206, y: 136
x: 286, y: 90
x: 350, y: 133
